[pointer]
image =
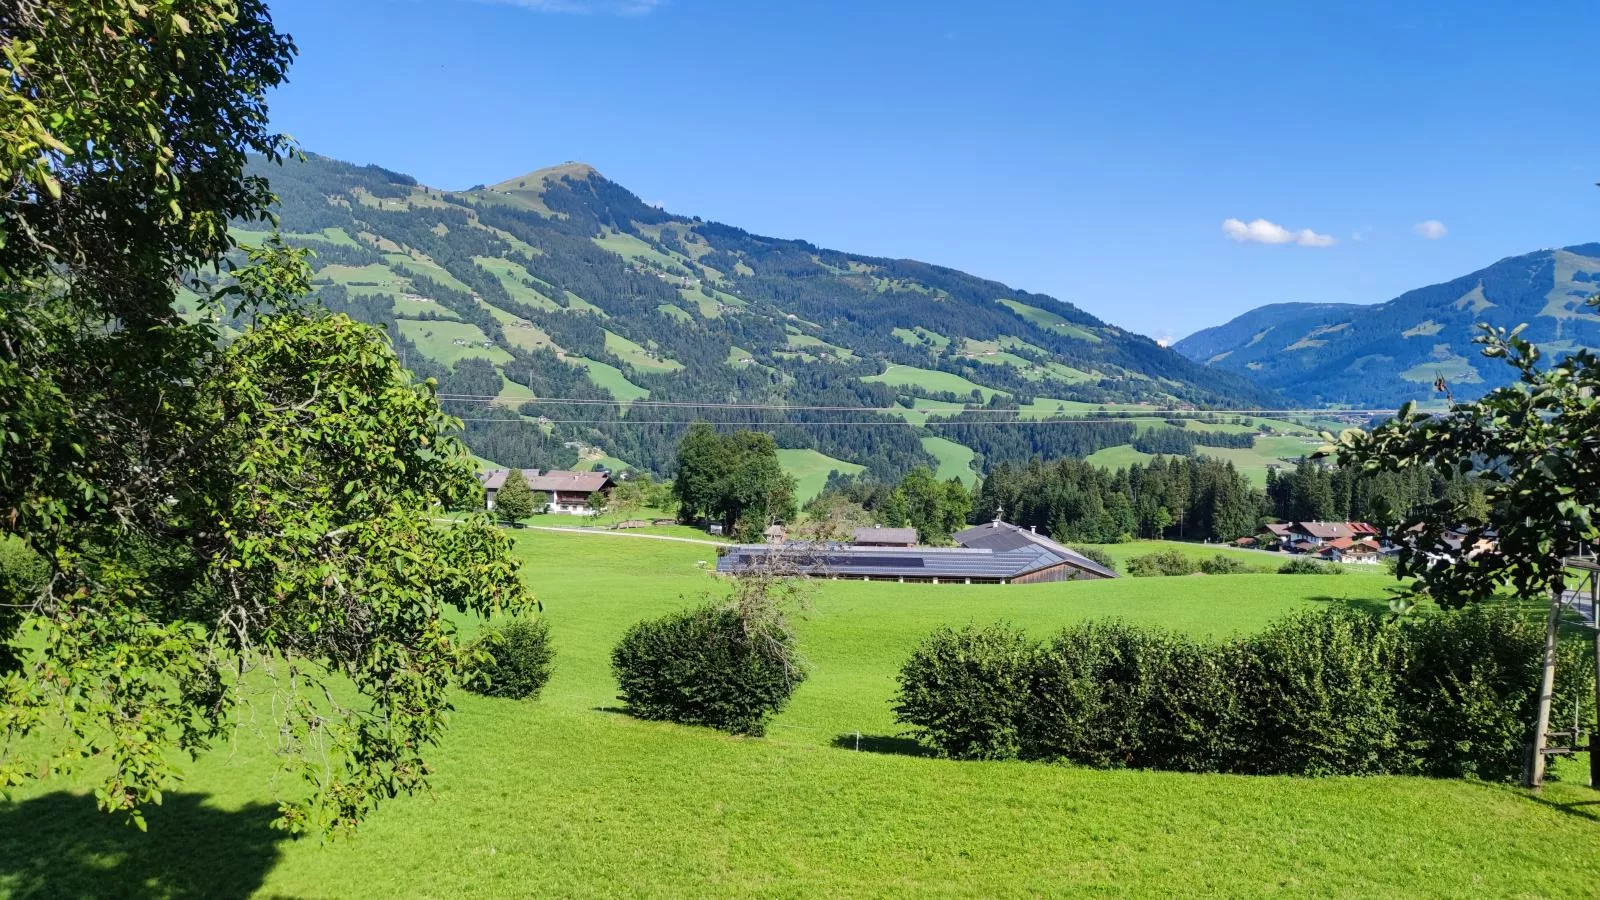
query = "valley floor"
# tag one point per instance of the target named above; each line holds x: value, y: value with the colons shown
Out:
x: 566, y: 796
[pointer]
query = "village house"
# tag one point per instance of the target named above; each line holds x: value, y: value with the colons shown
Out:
x: 1311, y: 537
x: 1349, y: 550
x: 569, y: 492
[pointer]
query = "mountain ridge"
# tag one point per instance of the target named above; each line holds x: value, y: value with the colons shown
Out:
x: 562, y: 284
x: 1389, y: 352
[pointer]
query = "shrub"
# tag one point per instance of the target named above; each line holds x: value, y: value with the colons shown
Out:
x: 1318, y: 696
x: 1300, y: 565
x: 1097, y: 555
x: 963, y: 692
x: 514, y: 661
x: 1467, y: 684
x: 22, y: 576
x: 1163, y: 562
x: 1332, y: 692
x: 1222, y: 565
x: 1109, y: 694
x: 711, y: 665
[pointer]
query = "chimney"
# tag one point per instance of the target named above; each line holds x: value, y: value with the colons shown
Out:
x: 1034, y: 529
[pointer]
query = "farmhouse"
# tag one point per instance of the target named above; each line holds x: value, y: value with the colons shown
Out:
x: 1349, y: 550
x: 569, y: 491
x: 995, y: 553
x: 1311, y: 537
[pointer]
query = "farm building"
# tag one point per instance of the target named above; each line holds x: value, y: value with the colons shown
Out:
x: 569, y: 491
x: 878, y: 536
x: 996, y: 553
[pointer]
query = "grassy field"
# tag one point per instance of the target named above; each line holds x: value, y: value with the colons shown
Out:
x: 611, y: 378
x: 638, y: 357
x: 1119, y: 457
x: 955, y: 460
x: 1257, y: 560
x: 567, y: 797
x: 810, y: 470
x: 1046, y: 319
x: 438, y: 340
x: 930, y: 380
x: 515, y: 280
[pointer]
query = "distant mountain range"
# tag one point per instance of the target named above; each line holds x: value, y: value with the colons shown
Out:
x: 1384, y: 354
x: 563, y: 284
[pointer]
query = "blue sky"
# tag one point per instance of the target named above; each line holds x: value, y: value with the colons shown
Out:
x: 1095, y: 152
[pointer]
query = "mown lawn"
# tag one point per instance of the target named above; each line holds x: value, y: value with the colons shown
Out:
x: 568, y: 797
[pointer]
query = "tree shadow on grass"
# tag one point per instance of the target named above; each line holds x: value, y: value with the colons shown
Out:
x: 881, y: 743
x: 1373, y: 605
x: 1583, y: 809
x: 60, y: 845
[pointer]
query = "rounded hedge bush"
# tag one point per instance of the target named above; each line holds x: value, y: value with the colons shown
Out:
x: 1222, y: 565
x: 964, y: 692
x: 1162, y: 562
x: 708, y: 666
x: 1303, y: 566
x: 513, y: 661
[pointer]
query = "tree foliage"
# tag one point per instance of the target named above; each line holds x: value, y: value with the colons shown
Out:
x: 732, y: 478
x: 213, y: 520
x: 514, y: 500
x: 1532, y: 449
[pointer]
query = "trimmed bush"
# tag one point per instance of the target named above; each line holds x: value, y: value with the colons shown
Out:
x: 1300, y: 565
x: 1222, y: 565
x: 514, y: 661
x: 964, y: 692
x: 1162, y: 562
x: 1113, y: 695
x: 1318, y: 695
x: 1468, y: 681
x: 1332, y: 692
x: 708, y: 666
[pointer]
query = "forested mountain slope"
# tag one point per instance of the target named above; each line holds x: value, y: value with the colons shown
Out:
x: 1395, y: 351
x: 1250, y: 327
x: 563, y: 284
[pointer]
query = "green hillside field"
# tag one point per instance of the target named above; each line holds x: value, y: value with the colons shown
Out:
x: 930, y: 380
x: 811, y: 469
x: 955, y: 460
x: 567, y: 796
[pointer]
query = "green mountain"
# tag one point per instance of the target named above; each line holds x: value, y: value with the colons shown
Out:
x: 1250, y: 328
x: 1396, y: 351
x: 552, y: 303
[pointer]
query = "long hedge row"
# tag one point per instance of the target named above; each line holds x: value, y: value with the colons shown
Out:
x: 1331, y: 692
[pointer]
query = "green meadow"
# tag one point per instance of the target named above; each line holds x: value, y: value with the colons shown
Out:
x: 567, y: 796
x: 811, y: 469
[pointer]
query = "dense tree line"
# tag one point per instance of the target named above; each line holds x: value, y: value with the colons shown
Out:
x: 1184, y: 441
x: 1072, y: 500
x: 1320, y: 492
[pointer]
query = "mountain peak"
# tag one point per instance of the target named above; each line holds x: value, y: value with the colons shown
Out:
x: 535, y: 180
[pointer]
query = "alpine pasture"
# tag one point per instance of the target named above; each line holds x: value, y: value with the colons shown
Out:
x: 568, y: 796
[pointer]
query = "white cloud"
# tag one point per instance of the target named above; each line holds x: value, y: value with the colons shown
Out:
x: 1262, y: 231
x: 586, y: 7
x: 1433, y: 229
